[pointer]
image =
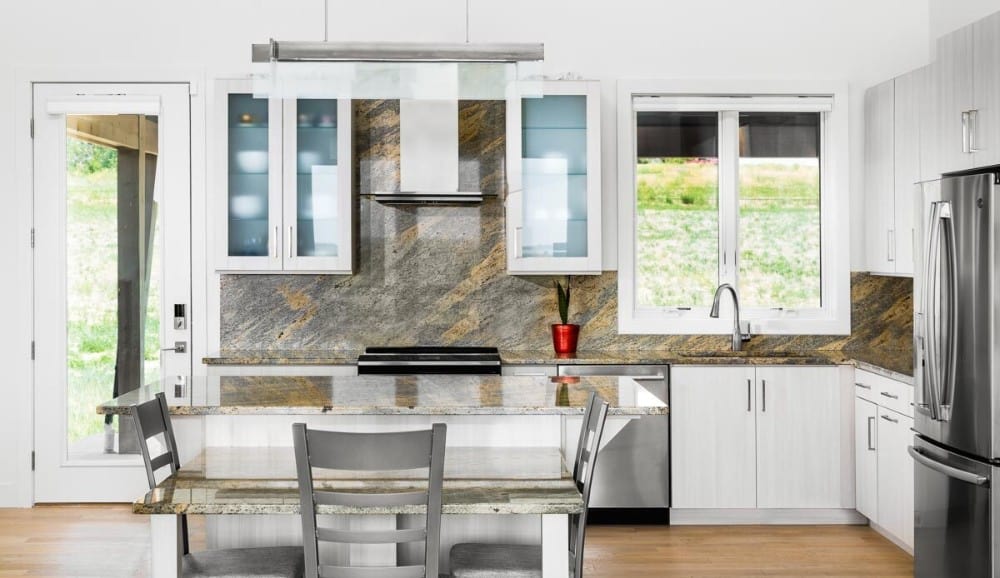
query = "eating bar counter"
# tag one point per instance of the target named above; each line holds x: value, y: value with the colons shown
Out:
x: 505, y: 476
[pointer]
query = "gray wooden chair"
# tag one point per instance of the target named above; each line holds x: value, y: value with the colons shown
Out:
x: 370, y: 452
x: 152, y: 418
x: 472, y: 560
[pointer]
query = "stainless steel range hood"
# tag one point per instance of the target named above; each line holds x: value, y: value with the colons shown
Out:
x: 428, y: 148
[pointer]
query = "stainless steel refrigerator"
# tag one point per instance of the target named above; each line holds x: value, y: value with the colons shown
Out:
x: 956, y: 449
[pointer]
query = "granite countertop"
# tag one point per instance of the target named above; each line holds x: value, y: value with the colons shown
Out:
x: 478, y: 480
x: 897, y: 361
x: 392, y: 395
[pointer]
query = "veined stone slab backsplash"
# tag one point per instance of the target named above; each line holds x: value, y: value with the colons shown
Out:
x: 435, y: 275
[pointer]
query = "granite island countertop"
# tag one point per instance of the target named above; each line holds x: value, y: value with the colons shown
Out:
x: 262, y: 480
x: 898, y: 361
x: 392, y: 395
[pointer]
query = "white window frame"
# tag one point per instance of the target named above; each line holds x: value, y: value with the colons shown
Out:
x: 834, y: 316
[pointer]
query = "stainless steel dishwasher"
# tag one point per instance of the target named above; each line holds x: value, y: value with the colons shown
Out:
x: 632, y: 479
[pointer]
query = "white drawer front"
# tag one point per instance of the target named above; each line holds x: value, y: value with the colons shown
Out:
x: 884, y: 391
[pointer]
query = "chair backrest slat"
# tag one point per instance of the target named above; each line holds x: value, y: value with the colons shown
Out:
x: 371, y: 500
x: 371, y: 536
x: 151, y: 418
x: 372, y: 572
x: 367, y: 452
x: 583, y: 473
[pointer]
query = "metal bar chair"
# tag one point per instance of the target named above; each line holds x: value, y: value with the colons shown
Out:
x: 370, y: 452
x: 474, y: 560
x: 152, y: 418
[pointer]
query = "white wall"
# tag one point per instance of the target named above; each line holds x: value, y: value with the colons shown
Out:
x: 862, y: 41
x: 948, y: 15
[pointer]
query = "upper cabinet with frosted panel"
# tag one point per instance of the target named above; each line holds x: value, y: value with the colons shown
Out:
x: 554, y: 180
x: 249, y: 184
x: 284, y: 193
x: 317, y: 204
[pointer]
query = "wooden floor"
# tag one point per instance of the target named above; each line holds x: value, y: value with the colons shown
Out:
x: 108, y: 541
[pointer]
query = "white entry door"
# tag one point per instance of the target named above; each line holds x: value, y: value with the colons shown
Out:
x: 112, y: 274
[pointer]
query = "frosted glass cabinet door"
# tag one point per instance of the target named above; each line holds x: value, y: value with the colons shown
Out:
x: 554, y: 196
x: 317, y: 185
x: 250, y: 172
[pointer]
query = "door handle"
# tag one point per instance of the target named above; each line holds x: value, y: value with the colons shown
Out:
x: 763, y: 395
x: 889, y: 395
x: 274, y: 243
x: 889, y: 419
x: 966, y: 146
x: 952, y: 472
x: 973, y: 125
x: 291, y: 242
x: 749, y: 396
x: 179, y: 347
x: 862, y: 386
x: 871, y: 444
x: 890, y: 245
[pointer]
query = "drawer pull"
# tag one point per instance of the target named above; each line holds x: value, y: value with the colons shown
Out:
x: 862, y: 386
x: 889, y: 419
x: 889, y: 395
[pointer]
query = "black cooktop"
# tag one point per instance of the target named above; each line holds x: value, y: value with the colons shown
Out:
x: 424, y: 359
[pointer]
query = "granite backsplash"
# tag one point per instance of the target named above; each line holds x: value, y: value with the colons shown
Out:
x: 437, y: 275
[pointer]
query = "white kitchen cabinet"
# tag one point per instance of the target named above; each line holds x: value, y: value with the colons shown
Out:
x: 986, y: 87
x: 895, y: 475
x: 766, y: 437
x: 879, y: 177
x: 798, y: 437
x: 968, y: 83
x: 713, y: 428
x: 866, y: 458
x: 884, y: 470
x: 284, y: 200
x: 908, y: 93
x: 553, y: 204
x: 894, y: 124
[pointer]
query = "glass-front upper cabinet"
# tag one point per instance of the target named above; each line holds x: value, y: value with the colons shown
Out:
x: 317, y: 187
x: 284, y: 204
x: 554, y: 180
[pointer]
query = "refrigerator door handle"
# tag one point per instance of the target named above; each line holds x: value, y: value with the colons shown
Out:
x: 930, y: 283
x: 947, y: 392
x: 950, y: 471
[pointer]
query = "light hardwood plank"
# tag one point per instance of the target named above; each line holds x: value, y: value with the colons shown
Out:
x: 110, y: 541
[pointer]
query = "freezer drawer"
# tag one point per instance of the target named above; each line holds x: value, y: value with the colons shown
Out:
x: 633, y: 467
x: 954, y: 514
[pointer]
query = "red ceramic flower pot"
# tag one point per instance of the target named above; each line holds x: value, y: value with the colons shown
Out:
x: 564, y: 337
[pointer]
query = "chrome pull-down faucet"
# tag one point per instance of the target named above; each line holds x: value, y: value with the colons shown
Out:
x: 738, y: 336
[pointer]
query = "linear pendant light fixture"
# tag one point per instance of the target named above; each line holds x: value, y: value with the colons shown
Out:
x: 404, y: 70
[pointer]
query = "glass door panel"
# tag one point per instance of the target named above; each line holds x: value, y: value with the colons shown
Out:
x: 554, y: 176
x: 113, y: 307
x: 248, y: 176
x: 317, y: 225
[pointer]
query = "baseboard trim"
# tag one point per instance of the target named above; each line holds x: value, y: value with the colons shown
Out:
x: 769, y: 516
x: 892, y: 538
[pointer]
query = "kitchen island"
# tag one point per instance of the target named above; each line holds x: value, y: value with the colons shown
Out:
x: 505, y: 474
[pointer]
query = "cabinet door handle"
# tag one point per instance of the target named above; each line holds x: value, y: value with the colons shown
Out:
x: 749, y: 395
x: 973, y: 126
x: 274, y: 243
x: 889, y: 395
x: 763, y: 395
x: 889, y: 419
x: 966, y: 147
x: 890, y: 243
x: 862, y: 386
x: 871, y: 444
x: 291, y: 242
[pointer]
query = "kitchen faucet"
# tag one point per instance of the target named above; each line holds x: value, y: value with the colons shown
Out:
x: 738, y: 336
